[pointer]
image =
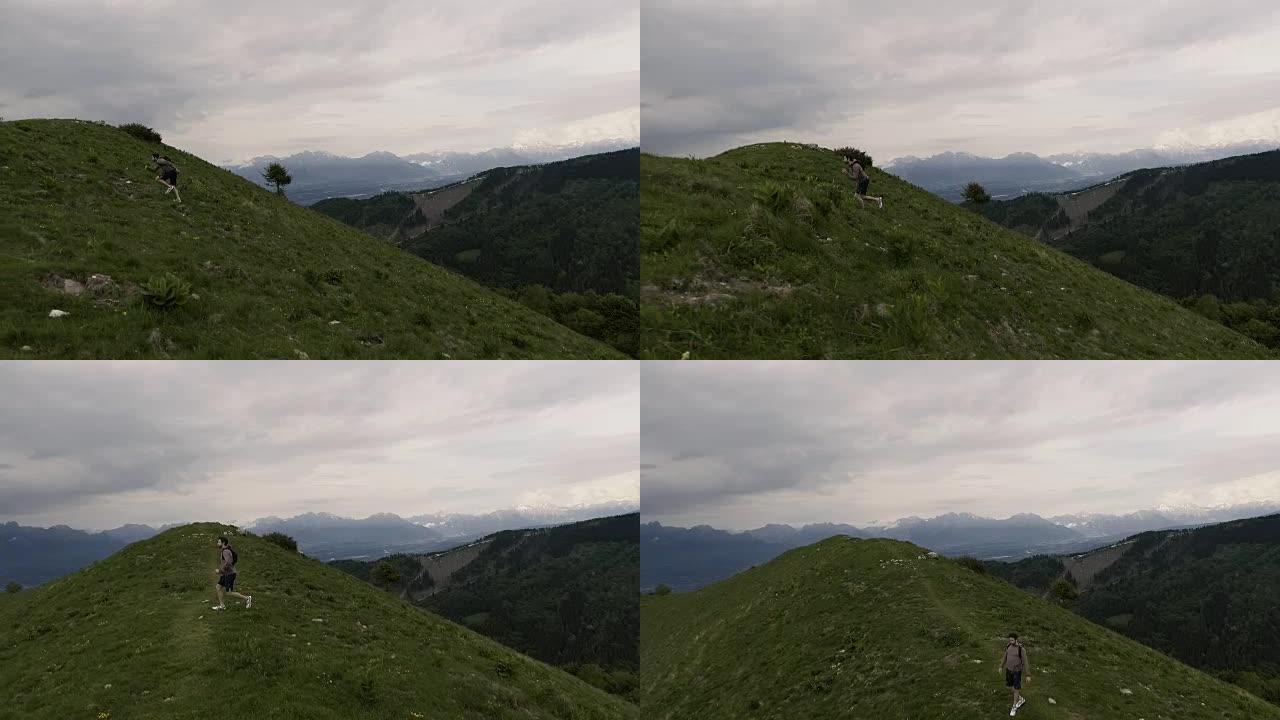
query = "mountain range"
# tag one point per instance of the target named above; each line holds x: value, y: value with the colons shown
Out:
x: 946, y: 174
x: 689, y: 558
x: 318, y: 175
x: 35, y: 555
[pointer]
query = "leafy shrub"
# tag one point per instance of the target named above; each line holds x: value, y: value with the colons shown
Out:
x: 857, y: 156
x: 141, y: 132
x: 384, y: 573
x: 976, y: 194
x: 1064, y: 590
x: 13, y: 587
x: 284, y: 541
x: 1261, y: 331
x: 1084, y: 321
x: 775, y: 197
x: 166, y: 292
x: 333, y: 277
x: 365, y: 693
x: 662, y: 590
x: 803, y: 209
x: 973, y: 564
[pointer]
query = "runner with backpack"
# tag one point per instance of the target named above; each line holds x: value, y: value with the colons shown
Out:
x: 1014, y: 664
x: 167, y: 174
x: 227, y: 558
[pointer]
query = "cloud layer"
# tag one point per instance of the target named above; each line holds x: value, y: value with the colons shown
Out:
x: 920, y: 77
x: 233, y: 79
x: 101, y: 444
x: 741, y: 444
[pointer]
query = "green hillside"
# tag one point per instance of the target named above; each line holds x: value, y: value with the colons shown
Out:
x: 763, y: 252
x: 133, y: 636
x: 1210, y: 230
x: 1205, y: 596
x: 847, y: 629
x: 560, y: 238
x: 267, y: 279
x: 565, y: 595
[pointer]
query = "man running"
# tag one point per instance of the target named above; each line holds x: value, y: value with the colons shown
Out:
x: 1015, y: 664
x: 227, y: 575
x: 166, y: 173
x: 854, y: 170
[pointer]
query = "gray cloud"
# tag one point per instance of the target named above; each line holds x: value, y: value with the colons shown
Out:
x: 919, y: 77
x: 742, y: 444
x: 101, y: 444
x: 229, y: 80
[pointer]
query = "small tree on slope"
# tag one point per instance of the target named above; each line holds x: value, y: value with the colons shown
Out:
x: 278, y: 176
x: 976, y: 194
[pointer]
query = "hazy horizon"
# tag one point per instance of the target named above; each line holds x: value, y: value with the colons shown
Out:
x: 741, y: 445
x: 919, y: 78
x: 102, y: 444
x: 236, y: 80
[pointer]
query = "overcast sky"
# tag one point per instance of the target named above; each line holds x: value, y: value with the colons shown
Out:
x: 97, y: 444
x: 920, y: 77
x: 232, y: 79
x: 738, y: 445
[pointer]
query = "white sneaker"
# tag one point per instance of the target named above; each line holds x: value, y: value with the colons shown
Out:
x: 1020, y: 703
x: 219, y: 607
x: 248, y: 602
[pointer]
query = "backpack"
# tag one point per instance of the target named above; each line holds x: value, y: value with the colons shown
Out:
x: 235, y: 557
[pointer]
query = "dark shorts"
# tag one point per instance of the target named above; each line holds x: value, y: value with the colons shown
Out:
x: 863, y: 184
x: 228, y: 581
x: 1012, y: 678
x: 170, y: 176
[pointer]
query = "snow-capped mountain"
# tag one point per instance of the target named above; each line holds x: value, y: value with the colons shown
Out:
x: 467, y: 525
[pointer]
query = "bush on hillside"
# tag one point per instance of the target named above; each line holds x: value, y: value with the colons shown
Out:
x: 166, y: 292
x: 857, y: 156
x: 662, y: 590
x: 775, y: 197
x: 384, y: 574
x: 141, y: 132
x: 284, y: 541
x: 976, y: 194
x: 973, y: 564
x: 1064, y: 590
x: 13, y: 587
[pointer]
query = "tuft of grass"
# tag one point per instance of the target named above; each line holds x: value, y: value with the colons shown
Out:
x: 166, y: 292
x: 78, y: 199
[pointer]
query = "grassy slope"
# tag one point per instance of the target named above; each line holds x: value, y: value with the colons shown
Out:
x: 76, y: 198
x: 134, y: 636
x: 920, y: 279
x: 864, y: 629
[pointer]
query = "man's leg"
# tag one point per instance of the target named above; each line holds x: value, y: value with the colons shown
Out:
x: 220, y: 602
x: 237, y: 595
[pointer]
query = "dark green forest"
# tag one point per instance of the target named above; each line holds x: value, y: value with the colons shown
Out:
x: 562, y: 238
x: 1207, y: 235
x: 565, y: 595
x: 1034, y: 574
x: 1205, y: 596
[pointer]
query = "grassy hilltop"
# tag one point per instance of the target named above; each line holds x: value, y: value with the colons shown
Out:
x: 133, y: 636
x: 851, y: 629
x: 267, y: 279
x: 763, y: 252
